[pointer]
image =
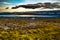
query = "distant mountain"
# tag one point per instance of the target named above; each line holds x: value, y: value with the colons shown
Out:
x: 39, y: 5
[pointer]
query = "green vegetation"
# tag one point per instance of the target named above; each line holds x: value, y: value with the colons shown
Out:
x: 16, y: 29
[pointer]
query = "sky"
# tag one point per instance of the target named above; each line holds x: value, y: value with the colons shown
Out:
x: 10, y: 3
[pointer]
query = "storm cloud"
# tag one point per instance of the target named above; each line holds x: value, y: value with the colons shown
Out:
x: 39, y: 5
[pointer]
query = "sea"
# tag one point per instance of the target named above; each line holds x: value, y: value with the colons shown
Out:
x: 31, y: 15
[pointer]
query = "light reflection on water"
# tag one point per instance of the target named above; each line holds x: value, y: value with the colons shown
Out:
x: 29, y: 15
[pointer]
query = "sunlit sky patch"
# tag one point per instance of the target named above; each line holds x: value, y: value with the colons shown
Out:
x: 5, y: 3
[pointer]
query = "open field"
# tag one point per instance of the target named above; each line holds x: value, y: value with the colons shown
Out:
x: 16, y: 29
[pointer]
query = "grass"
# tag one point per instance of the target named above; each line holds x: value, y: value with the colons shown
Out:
x: 45, y: 29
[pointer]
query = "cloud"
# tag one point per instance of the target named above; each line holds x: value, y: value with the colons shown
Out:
x: 39, y: 5
x: 35, y: 1
x: 5, y: 3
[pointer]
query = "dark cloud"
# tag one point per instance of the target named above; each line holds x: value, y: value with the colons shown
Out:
x: 29, y: 6
x: 38, y: 5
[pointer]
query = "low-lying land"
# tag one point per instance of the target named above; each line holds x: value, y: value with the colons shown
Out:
x: 16, y: 29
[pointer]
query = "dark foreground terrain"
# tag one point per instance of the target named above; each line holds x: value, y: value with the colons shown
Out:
x: 42, y: 29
